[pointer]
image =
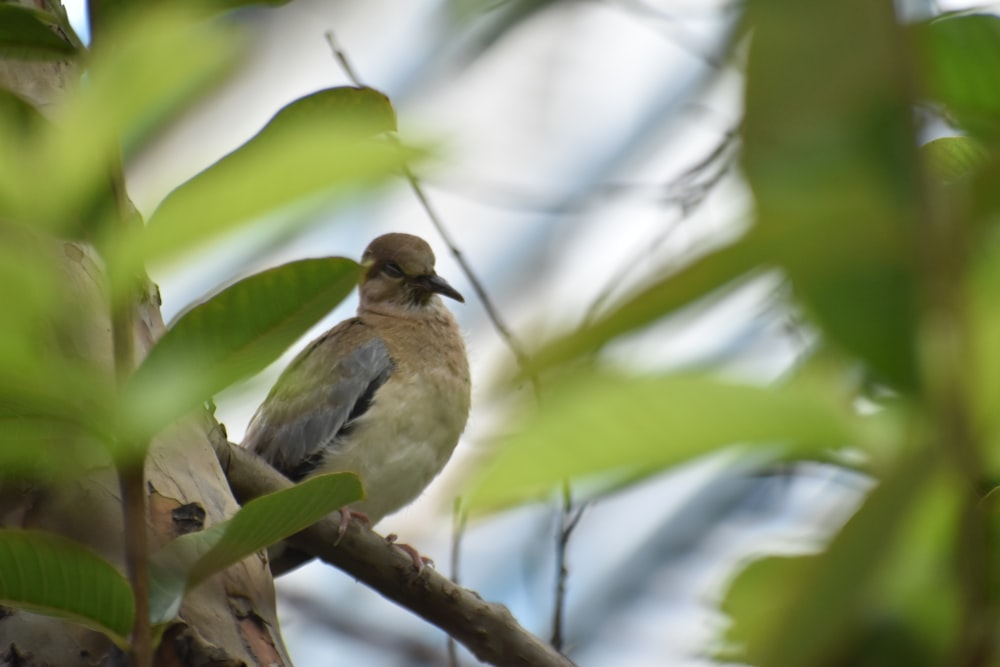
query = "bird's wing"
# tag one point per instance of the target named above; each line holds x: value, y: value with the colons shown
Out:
x: 329, y: 385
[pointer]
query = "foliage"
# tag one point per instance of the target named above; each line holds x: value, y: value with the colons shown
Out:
x: 49, y: 574
x: 60, y: 414
x: 190, y: 559
x: 890, y: 249
x: 53, y: 575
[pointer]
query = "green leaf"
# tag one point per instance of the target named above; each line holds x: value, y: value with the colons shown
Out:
x: 24, y: 35
x: 319, y: 144
x: 758, y: 594
x: 48, y: 574
x: 45, y: 446
x: 829, y: 152
x: 830, y: 608
x: 595, y: 423
x: 227, y: 5
x: 140, y: 77
x: 55, y: 398
x: 984, y: 332
x: 703, y: 277
x: 19, y: 114
x: 950, y: 159
x: 234, y: 334
x: 363, y: 112
x: 192, y: 558
x: 153, y: 67
x: 962, y: 70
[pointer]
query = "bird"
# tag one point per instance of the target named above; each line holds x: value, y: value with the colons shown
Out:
x: 384, y: 394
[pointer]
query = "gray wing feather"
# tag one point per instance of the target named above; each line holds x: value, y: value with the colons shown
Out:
x: 315, y: 401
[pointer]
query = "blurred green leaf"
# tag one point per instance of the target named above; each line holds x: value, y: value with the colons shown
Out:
x: 153, y: 67
x: 961, y: 68
x: 106, y: 13
x: 54, y: 400
x: 234, y: 334
x: 597, y: 423
x: 51, y: 575
x: 756, y: 600
x: 984, y: 331
x: 761, y: 593
x: 841, y: 606
x: 140, y: 77
x: 18, y: 114
x: 703, y: 277
x: 319, y: 144
x: 55, y: 410
x: 192, y: 558
x: 43, y: 435
x: 829, y: 151
x: 236, y: 4
x: 25, y: 35
x: 361, y: 112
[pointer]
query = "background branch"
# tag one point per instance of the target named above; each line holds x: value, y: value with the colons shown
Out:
x: 491, y: 311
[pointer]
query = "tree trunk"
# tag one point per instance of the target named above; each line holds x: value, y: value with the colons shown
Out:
x: 230, y: 619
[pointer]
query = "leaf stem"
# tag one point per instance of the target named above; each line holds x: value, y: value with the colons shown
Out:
x: 130, y: 455
x: 132, y: 485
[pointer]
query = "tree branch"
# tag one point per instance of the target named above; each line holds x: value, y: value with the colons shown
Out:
x: 487, y: 629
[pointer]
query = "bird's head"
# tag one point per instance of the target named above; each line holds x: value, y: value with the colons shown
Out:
x: 399, y: 271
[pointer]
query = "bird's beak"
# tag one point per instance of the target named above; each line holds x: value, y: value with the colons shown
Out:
x: 435, y: 283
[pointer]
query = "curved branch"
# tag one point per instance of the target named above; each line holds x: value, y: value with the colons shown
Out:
x: 487, y: 629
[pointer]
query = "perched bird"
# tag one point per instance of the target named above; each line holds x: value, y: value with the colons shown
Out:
x: 384, y: 394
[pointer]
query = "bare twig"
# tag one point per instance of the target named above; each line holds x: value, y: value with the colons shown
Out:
x: 487, y: 629
x: 341, y: 57
x: 512, y: 343
x: 691, y: 194
x: 569, y: 518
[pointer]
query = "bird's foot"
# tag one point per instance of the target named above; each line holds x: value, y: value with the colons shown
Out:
x: 346, y: 515
x: 419, y: 561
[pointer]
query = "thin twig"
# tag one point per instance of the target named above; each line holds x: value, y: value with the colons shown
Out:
x: 131, y: 473
x: 692, y: 194
x: 341, y: 57
x: 569, y: 521
x: 569, y: 518
x: 512, y: 343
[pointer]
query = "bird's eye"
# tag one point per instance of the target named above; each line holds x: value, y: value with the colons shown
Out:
x: 392, y: 270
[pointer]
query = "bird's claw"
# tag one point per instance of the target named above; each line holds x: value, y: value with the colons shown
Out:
x: 346, y: 515
x: 419, y: 561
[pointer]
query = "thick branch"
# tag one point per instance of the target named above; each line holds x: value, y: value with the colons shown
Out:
x: 487, y: 629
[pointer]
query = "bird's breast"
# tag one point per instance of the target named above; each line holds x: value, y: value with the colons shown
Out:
x: 415, y: 420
